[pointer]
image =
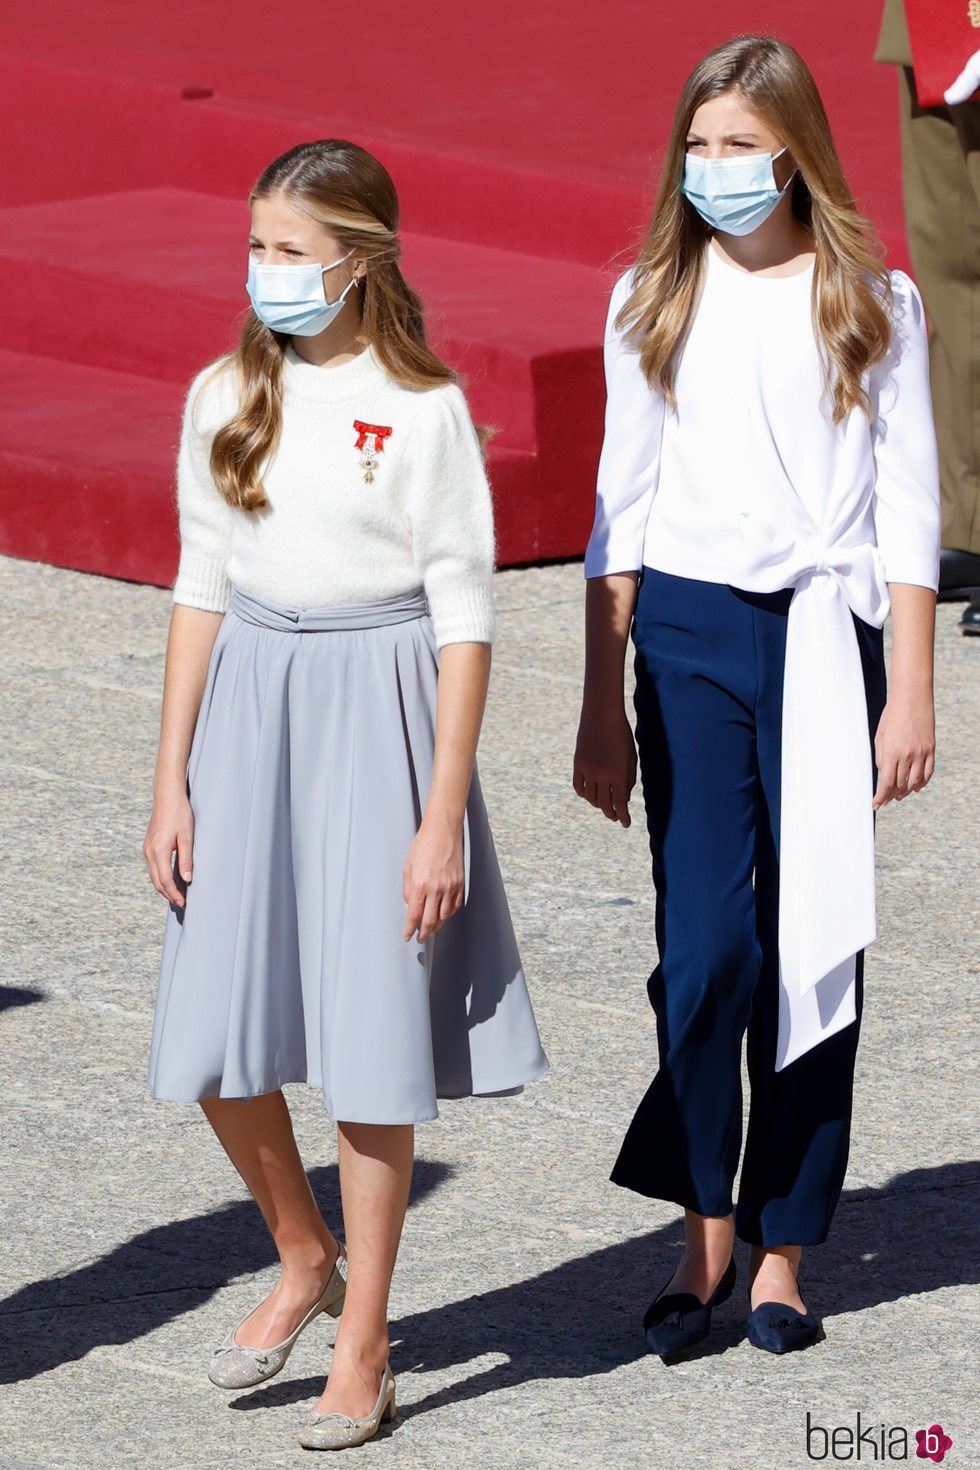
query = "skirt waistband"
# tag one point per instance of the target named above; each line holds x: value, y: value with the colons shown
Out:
x: 403, y: 608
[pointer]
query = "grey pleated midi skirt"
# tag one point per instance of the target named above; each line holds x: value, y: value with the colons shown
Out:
x: 308, y: 774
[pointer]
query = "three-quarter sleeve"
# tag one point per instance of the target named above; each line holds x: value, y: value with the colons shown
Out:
x: 906, y: 496
x: 629, y: 464
x: 205, y: 518
x: 450, y: 515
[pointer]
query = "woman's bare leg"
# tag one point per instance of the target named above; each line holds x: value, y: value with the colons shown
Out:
x: 258, y: 1138
x: 772, y: 1275
x: 375, y: 1177
x: 708, y: 1241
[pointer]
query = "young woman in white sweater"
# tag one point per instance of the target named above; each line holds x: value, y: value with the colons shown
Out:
x: 336, y: 911
x: 767, y: 487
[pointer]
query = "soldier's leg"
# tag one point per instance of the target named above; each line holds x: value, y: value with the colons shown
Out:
x: 941, y: 182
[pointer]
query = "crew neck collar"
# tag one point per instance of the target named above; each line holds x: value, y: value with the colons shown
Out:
x: 331, y: 384
x: 721, y: 265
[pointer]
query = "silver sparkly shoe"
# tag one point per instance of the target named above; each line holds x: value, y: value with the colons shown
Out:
x: 340, y: 1431
x: 343, y: 1432
x: 236, y: 1366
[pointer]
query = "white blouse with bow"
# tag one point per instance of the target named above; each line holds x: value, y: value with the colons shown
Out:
x: 751, y: 484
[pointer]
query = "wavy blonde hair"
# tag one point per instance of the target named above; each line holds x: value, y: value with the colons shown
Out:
x: 346, y: 189
x: 851, y: 287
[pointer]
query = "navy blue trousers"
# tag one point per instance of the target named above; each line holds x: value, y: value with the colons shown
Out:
x: 709, y: 682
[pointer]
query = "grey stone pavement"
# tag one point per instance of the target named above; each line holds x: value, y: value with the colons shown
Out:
x: 130, y: 1248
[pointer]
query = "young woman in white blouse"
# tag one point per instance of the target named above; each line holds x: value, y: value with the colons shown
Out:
x: 767, y: 489
x: 336, y: 912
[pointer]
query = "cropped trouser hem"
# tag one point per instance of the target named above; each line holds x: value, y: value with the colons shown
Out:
x: 715, y: 1209
x: 750, y: 1226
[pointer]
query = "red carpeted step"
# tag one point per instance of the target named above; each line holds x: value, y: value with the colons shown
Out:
x: 86, y: 466
x: 86, y: 461
x: 152, y: 284
x: 81, y: 133
x: 537, y: 127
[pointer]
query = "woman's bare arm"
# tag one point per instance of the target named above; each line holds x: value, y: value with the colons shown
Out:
x: 905, y: 743
x: 604, y: 772
x: 433, y: 874
x: 171, y: 825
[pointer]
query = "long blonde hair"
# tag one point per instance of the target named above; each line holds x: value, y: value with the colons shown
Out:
x: 346, y: 189
x: 849, y: 316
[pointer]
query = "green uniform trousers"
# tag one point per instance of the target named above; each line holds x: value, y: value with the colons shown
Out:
x: 941, y: 188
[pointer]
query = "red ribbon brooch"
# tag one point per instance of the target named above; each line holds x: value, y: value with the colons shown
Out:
x: 369, y: 456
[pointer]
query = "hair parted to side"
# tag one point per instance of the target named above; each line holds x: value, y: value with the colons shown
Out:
x: 849, y: 316
x: 345, y: 188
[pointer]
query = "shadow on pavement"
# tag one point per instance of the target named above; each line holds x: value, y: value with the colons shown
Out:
x: 146, y: 1281
x: 582, y: 1318
x: 18, y: 995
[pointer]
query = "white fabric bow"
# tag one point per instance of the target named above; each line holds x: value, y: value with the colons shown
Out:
x: 966, y: 84
x: 826, y: 848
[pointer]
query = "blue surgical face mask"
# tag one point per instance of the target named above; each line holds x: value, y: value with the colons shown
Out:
x: 734, y: 195
x: 291, y: 299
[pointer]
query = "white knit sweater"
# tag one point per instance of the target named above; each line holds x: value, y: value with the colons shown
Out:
x: 329, y: 537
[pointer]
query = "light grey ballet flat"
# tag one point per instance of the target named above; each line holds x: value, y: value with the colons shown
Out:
x: 236, y: 1366
x: 340, y: 1431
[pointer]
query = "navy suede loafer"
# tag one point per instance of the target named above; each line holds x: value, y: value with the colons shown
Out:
x: 777, y: 1328
x: 680, y: 1321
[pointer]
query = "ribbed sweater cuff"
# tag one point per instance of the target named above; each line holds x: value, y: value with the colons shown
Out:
x: 202, y: 582
x: 463, y: 614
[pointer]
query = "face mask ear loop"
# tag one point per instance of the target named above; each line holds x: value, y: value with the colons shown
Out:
x: 796, y: 169
x: 350, y: 283
x: 796, y: 166
x: 334, y: 263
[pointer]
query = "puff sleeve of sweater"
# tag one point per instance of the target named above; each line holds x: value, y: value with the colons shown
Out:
x: 205, y: 519
x: 450, y: 515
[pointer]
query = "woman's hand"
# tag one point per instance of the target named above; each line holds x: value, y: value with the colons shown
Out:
x: 432, y: 879
x: 604, y: 773
x: 171, y: 828
x: 905, y: 745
